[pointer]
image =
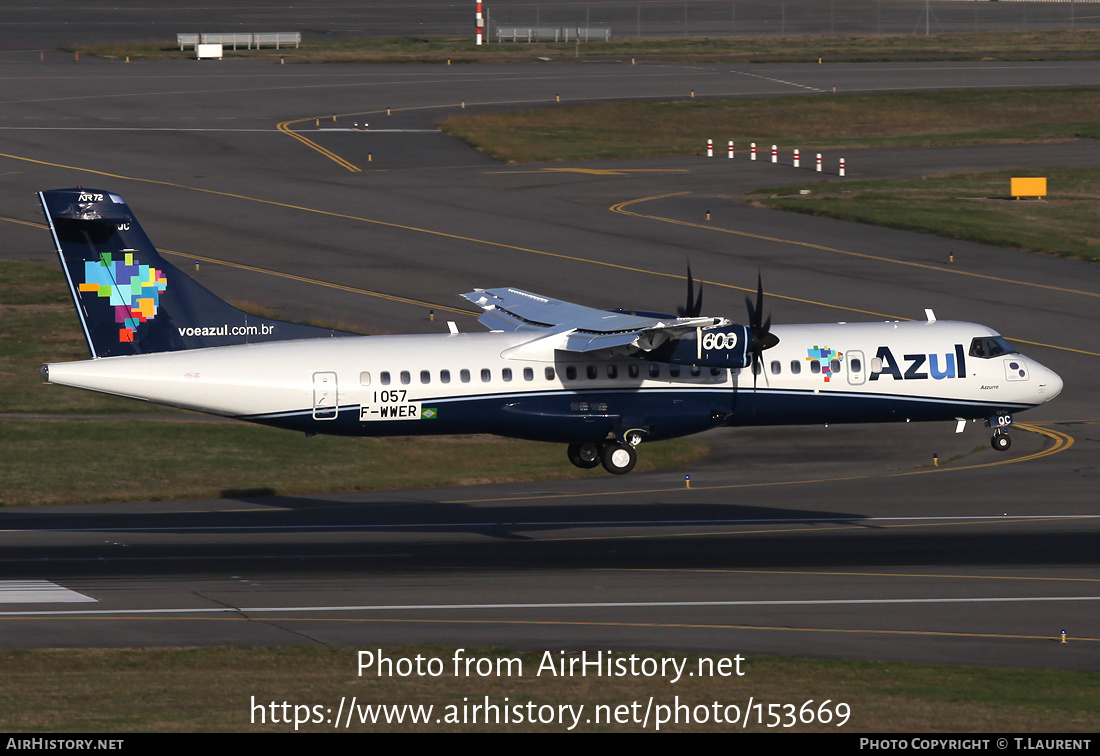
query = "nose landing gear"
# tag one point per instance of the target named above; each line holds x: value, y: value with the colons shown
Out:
x: 1000, y: 425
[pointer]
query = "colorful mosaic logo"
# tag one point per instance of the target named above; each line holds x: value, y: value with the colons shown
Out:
x: 825, y: 356
x: 132, y: 290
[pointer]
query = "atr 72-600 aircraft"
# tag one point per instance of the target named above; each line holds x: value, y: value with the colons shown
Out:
x: 600, y: 381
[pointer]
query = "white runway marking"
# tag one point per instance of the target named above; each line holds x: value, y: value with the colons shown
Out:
x: 573, y: 605
x: 777, y: 81
x: 38, y: 592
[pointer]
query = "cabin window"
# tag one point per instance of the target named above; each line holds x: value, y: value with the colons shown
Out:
x: 406, y: 379
x: 592, y: 372
x: 425, y: 376
x: 364, y: 379
x: 757, y: 368
x: 385, y: 378
x: 612, y: 371
x: 696, y: 371
x: 506, y: 374
x: 571, y: 372
x: 654, y: 371
x: 549, y: 373
x: 815, y: 366
x: 464, y: 376
x: 444, y: 376
x: 716, y: 372
x: 856, y: 365
x: 876, y: 365
x: 777, y: 367
x: 632, y: 370
x: 486, y: 375
x: 674, y: 371
x: 834, y: 366
x: 796, y: 367
x: 528, y: 374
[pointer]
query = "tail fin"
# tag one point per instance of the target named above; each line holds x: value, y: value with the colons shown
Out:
x: 130, y: 299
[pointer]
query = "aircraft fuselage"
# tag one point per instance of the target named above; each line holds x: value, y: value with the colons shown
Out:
x: 460, y: 383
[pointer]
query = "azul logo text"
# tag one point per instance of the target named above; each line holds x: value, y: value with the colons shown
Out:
x: 920, y: 366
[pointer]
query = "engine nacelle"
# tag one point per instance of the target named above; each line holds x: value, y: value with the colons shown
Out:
x: 721, y: 346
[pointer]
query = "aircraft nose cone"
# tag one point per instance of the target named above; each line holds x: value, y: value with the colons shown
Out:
x: 1051, y: 384
x: 1055, y: 384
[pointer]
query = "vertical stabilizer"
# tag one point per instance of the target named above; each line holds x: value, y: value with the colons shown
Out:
x: 130, y: 300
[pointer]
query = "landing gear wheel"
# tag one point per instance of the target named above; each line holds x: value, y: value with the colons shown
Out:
x: 1001, y: 442
x: 618, y: 459
x: 584, y: 456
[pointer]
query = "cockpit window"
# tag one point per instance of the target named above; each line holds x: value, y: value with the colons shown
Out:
x: 985, y: 347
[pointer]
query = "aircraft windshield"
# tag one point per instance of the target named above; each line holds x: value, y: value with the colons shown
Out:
x: 985, y: 347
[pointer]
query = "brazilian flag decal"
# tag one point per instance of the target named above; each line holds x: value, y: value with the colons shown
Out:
x: 429, y: 413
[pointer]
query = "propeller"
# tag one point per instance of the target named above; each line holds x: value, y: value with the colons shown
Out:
x: 762, y: 337
x: 694, y: 306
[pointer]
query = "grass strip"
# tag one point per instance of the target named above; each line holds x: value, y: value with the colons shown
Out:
x: 669, y: 129
x: 201, y: 460
x: 1001, y: 45
x: 974, y: 207
x: 38, y: 325
x: 213, y: 690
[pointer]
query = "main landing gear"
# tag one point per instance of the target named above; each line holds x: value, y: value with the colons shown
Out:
x: 617, y: 458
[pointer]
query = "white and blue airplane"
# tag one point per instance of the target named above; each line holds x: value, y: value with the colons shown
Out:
x: 600, y: 381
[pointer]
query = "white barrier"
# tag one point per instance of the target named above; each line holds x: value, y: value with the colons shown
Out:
x: 552, y: 33
x: 228, y: 40
x: 277, y: 40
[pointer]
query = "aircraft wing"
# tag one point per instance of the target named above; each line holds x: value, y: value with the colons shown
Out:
x: 576, y: 328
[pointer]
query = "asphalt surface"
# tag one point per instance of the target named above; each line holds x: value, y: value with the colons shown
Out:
x: 837, y: 542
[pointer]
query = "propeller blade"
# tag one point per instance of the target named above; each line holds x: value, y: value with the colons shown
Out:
x: 762, y: 337
x: 759, y: 295
x: 694, y: 306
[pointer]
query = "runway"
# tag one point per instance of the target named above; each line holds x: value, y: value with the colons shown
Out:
x: 839, y: 542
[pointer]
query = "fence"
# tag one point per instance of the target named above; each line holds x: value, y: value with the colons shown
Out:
x: 720, y: 18
x: 552, y: 34
x: 247, y: 41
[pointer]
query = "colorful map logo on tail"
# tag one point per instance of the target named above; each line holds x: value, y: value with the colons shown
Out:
x: 132, y: 289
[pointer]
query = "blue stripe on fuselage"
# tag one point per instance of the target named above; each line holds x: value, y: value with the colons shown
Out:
x: 573, y: 416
